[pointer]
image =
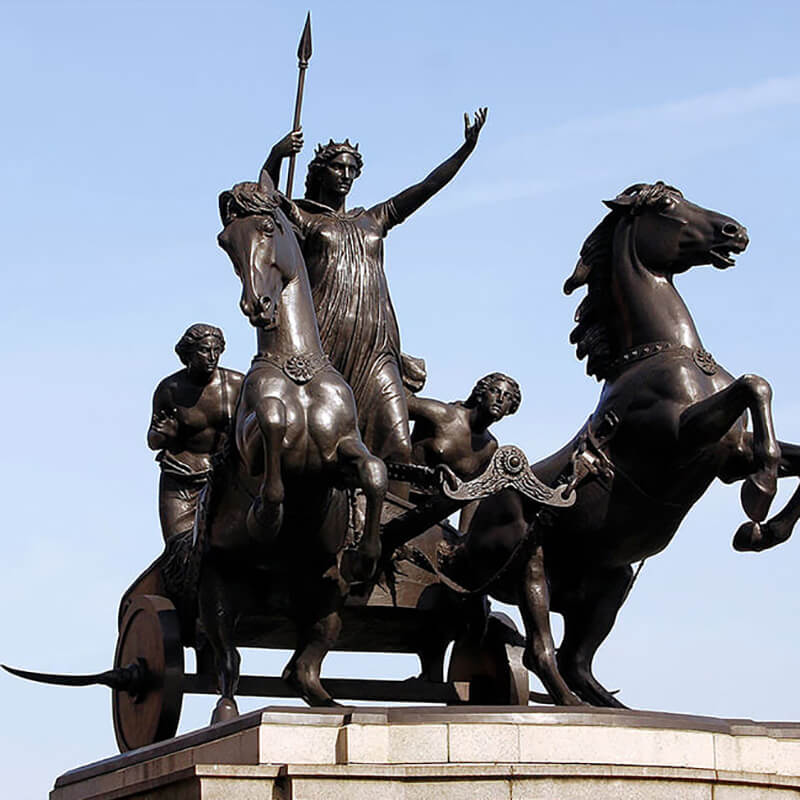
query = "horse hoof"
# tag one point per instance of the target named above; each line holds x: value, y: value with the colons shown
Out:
x: 754, y: 538
x: 757, y: 495
x: 748, y: 538
x: 310, y: 691
x: 355, y: 567
x: 225, y: 710
x: 777, y: 532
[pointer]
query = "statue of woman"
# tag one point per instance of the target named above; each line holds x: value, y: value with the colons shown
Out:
x: 343, y: 250
x: 192, y: 411
x: 457, y: 435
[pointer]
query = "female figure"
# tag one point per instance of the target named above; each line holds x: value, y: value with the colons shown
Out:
x: 343, y: 251
x: 192, y: 411
x: 457, y: 435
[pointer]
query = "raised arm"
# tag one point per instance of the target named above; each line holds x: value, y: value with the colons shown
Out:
x: 291, y: 144
x: 409, y: 200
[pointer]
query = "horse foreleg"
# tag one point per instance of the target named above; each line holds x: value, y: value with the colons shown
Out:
x: 319, y: 623
x: 266, y: 514
x: 219, y: 618
x: 760, y: 536
x: 708, y: 420
x: 540, y: 651
x: 369, y: 473
x: 588, y: 619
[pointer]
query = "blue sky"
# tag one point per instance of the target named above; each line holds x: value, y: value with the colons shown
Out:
x: 124, y: 121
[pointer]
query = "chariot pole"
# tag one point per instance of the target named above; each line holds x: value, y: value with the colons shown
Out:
x: 303, y: 57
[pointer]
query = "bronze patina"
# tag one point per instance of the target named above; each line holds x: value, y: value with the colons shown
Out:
x: 192, y: 412
x: 343, y: 250
x: 280, y: 530
x: 670, y: 420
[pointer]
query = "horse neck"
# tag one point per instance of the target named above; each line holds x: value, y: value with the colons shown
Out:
x: 646, y: 307
x: 297, y: 331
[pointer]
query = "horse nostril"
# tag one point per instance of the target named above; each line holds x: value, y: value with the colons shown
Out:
x: 265, y: 302
x: 731, y: 229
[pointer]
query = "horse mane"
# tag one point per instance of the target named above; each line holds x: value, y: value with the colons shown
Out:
x: 592, y: 334
x: 247, y: 199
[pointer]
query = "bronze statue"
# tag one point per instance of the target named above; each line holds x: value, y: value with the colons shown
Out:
x: 274, y: 517
x: 192, y: 411
x: 669, y: 421
x: 343, y: 251
x: 278, y: 530
x: 457, y: 434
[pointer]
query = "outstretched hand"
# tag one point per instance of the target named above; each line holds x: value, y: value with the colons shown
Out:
x: 290, y: 145
x: 473, y: 129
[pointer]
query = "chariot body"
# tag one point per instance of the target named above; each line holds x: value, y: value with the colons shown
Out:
x: 412, y: 607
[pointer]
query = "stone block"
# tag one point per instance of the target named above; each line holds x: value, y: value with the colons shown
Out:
x: 298, y: 744
x: 365, y: 744
x: 228, y: 789
x: 475, y: 789
x: 418, y: 744
x: 241, y: 748
x: 757, y: 754
x: 484, y: 743
x: 744, y: 792
x: 326, y: 788
x: 596, y: 788
x: 582, y: 744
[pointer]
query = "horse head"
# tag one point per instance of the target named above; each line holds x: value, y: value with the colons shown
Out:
x: 651, y: 233
x: 673, y: 234
x: 254, y: 237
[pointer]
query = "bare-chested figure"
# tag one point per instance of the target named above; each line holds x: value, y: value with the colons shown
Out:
x: 192, y: 410
x: 457, y: 434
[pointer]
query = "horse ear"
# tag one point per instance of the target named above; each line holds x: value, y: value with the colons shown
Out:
x: 622, y: 202
x: 265, y: 183
x: 225, y: 202
x: 578, y: 278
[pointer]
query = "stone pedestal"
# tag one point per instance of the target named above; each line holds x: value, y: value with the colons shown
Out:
x: 455, y: 753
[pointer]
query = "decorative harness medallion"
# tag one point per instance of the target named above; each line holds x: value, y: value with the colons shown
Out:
x: 299, y: 368
x: 705, y: 361
x: 509, y: 469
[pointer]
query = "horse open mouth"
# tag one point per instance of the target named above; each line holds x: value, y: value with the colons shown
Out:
x: 721, y: 255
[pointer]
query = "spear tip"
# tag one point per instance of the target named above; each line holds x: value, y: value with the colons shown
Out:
x: 304, y: 48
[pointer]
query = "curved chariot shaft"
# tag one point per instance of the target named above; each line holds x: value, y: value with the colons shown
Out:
x: 132, y: 678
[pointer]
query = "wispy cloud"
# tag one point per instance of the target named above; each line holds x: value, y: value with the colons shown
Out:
x: 769, y: 94
x: 592, y: 148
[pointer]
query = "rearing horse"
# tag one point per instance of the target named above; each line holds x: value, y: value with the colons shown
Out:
x: 669, y: 421
x: 274, y: 518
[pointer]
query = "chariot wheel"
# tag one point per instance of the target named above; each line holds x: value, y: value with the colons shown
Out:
x: 149, y: 648
x: 493, y: 667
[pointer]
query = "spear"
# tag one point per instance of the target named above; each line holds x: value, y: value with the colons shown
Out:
x: 303, y: 57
